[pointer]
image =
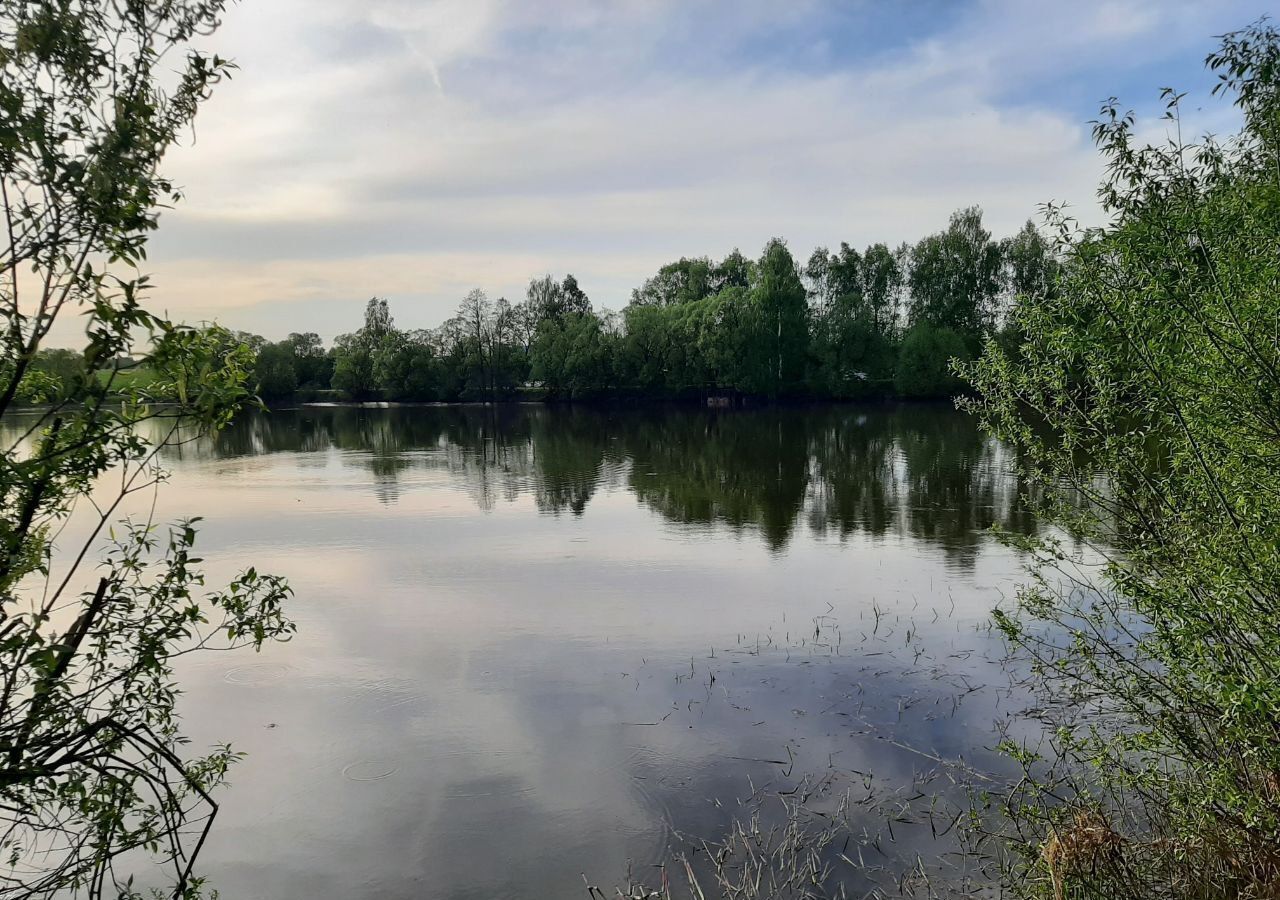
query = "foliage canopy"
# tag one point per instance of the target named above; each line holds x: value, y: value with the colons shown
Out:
x: 94, y: 774
x: 1144, y: 393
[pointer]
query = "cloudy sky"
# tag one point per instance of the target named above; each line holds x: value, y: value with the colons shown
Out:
x: 416, y: 150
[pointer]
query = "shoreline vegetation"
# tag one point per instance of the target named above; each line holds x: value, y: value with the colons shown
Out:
x: 101, y: 793
x: 845, y: 325
x: 1134, y: 368
x: 1143, y: 397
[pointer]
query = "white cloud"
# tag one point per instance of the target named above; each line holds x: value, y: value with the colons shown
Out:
x: 418, y: 149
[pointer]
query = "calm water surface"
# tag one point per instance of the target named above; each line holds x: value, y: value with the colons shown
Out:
x: 535, y: 642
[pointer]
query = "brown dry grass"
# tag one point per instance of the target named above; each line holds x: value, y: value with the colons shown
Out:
x: 1082, y: 845
x: 1088, y: 853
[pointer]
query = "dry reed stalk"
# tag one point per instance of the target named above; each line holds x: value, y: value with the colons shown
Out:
x: 1085, y: 841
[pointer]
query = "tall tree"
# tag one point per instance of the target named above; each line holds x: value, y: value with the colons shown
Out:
x: 355, y: 355
x: 313, y: 365
x: 1030, y: 263
x: 94, y: 766
x: 683, y: 281
x: 571, y: 356
x: 378, y: 323
x: 475, y: 314
x: 782, y: 323
x: 276, y: 371
x: 882, y: 282
x: 352, y: 367
x: 734, y: 271
x: 955, y: 276
x: 507, y: 347
x: 1031, y: 267
x: 817, y: 275
x: 574, y: 299
x: 407, y: 369
x: 845, y: 278
x: 545, y: 299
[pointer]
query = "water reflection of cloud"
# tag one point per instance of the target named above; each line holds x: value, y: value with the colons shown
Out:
x: 492, y: 603
x: 536, y: 756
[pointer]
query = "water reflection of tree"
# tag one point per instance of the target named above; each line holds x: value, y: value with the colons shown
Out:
x: 571, y: 449
x: 926, y: 472
x: 949, y: 481
x: 487, y: 450
x: 740, y: 469
x: 855, y: 490
x: 959, y: 484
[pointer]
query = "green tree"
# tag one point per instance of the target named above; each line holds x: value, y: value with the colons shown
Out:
x: 882, y: 282
x: 379, y: 326
x: 571, y: 356
x: 644, y: 347
x: 352, y: 367
x: 573, y: 298
x: 314, y: 367
x: 276, y: 371
x: 734, y: 271
x: 508, y: 350
x: 844, y: 276
x: 1030, y: 271
x: 476, y: 328
x: 407, y: 368
x: 354, y: 355
x: 64, y: 366
x: 544, y: 299
x: 54, y: 374
x: 1031, y: 267
x: 782, y: 329
x: 851, y: 338
x: 925, y: 362
x: 955, y: 276
x: 683, y: 281
x: 817, y: 275
x: 93, y: 762
x: 726, y: 339
x: 1144, y: 397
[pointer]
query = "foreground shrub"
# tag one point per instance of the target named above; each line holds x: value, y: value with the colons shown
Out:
x: 1156, y: 368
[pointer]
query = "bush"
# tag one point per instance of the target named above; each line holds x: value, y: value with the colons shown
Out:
x: 925, y: 362
x: 1156, y: 369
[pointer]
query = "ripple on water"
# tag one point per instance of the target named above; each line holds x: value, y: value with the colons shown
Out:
x: 480, y: 788
x: 368, y: 770
x: 665, y: 768
x: 256, y: 674
x: 653, y: 775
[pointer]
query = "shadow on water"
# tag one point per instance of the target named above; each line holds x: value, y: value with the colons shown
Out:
x: 838, y: 471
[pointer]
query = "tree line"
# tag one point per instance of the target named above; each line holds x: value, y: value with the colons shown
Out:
x: 844, y: 324
x: 1137, y: 374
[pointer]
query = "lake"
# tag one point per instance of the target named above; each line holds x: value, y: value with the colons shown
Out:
x: 536, y: 642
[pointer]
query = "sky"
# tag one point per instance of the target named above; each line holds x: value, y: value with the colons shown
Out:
x: 417, y: 150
